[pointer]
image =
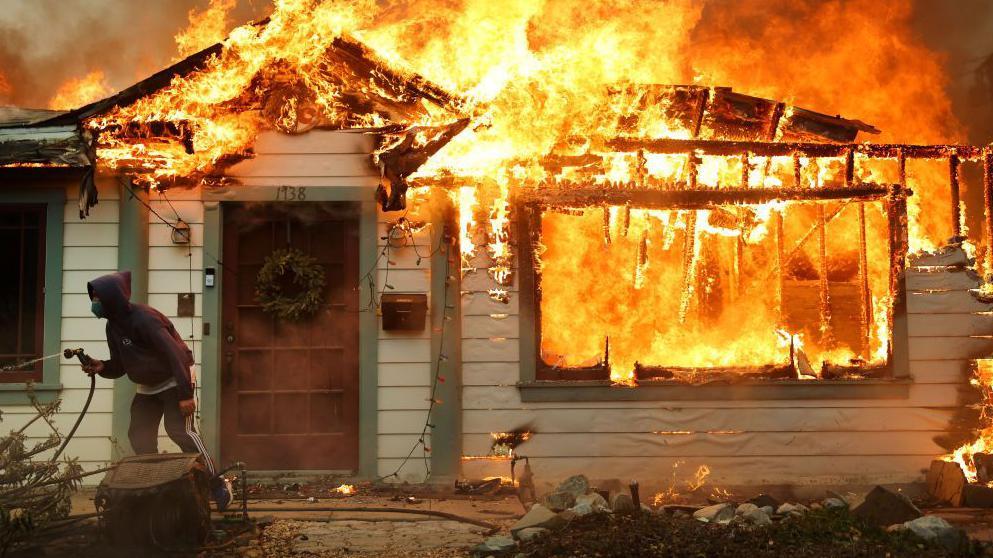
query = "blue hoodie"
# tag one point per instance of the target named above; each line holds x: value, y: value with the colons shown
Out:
x: 143, y: 342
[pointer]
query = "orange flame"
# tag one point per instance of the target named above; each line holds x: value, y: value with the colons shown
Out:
x: 679, y: 288
x: 80, y: 91
x: 207, y: 26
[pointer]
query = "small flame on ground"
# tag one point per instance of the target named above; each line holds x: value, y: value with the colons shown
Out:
x: 345, y: 490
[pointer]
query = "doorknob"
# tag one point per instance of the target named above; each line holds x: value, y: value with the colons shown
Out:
x: 229, y: 338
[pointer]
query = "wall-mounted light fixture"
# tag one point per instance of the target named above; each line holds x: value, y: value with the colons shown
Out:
x: 180, y: 233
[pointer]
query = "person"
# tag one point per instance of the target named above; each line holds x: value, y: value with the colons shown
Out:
x: 144, y: 345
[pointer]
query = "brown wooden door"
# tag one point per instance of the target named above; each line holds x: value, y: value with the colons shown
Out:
x: 290, y: 390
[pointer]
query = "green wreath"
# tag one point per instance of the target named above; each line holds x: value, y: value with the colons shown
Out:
x: 290, y: 284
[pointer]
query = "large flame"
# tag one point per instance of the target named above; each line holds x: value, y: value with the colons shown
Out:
x: 679, y: 288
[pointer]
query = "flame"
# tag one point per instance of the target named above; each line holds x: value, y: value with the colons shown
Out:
x: 681, y: 491
x: 690, y: 289
x: 6, y: 89
x: 79, y: 91
x: 206, y: 27
x: 345, y: 490
x: 983, y: 380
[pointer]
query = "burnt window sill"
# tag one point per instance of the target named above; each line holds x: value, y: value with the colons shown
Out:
x: 571, y: 391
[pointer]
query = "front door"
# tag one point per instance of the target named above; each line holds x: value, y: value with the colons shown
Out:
x: 290, y: 388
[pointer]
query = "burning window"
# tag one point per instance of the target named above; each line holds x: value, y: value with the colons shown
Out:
x: 692, y: 289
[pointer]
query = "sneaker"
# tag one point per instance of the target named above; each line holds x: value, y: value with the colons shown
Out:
x: 222, y: 493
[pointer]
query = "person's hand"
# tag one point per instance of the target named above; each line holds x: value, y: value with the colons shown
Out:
x: 187, y: 407
x: 95, y: 366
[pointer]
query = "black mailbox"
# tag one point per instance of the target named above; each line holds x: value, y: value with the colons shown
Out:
x: 404, y: 312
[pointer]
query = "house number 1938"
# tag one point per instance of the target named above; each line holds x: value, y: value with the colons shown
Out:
x: 291, y: 193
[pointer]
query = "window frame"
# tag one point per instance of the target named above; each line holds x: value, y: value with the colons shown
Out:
x: 54, y: 200
x: 38, y: 325
x: 536, y: 386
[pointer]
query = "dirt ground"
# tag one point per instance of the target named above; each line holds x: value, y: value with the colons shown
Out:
x: 287, y: 524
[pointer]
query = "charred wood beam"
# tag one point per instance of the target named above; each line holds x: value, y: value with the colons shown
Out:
x: 988, y: 209
x: 583, y: 196
x: 866, y: 295
x: 159, y: 129
x: 954, y: 197
x: 143, y: 88
x: 827, y: 335
x: 787, y: 149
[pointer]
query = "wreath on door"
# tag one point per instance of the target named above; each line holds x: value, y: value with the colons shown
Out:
x: 290, y: 284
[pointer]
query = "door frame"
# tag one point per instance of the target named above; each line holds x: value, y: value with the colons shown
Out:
x: 214, y: 200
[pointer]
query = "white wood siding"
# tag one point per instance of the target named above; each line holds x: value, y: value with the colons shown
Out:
x: 174, y: 269
x: 803, y: 442
x: 90, y: 250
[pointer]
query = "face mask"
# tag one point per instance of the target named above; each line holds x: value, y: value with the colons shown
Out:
x: 97, y: 309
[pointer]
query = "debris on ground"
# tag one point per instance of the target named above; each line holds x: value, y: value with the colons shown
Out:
x: 816, y: 533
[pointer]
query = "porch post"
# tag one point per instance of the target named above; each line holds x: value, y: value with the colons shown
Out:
x: 132, y: 254
x: 446, y: 339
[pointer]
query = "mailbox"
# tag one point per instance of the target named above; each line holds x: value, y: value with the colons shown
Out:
x: 404, y: 312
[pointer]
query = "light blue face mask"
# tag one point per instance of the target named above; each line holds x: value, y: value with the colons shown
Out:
x: 97, y: 308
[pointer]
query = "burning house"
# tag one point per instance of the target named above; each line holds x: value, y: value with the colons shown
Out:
x: 661, y: 274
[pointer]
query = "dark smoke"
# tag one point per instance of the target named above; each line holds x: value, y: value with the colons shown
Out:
x: 963, y: 31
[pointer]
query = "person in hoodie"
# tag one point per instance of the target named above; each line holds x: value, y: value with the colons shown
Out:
x: 145, y: 346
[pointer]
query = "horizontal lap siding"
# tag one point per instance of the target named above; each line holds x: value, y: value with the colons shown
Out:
x: 405, y: 360
x: 745, y: 442
x: 170, y: 273
x: 90, y: 250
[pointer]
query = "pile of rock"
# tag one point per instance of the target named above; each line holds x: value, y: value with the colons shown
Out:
x: 571, y: 499
x: 575, y: 498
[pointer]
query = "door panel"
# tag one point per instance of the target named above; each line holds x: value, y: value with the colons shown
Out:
x: 289, y: 390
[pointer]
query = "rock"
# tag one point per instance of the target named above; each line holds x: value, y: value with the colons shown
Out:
x: 595, y: 501
x: 494, y: 545
x: 718, y: 513
x: 883, y: 507
x: 977, y: 496
x: 579, y: 510
x: 558, y: 501
x: 564, y: 496
x: 769, y: 510
x: 576, y: 485
x: 646, y: 508
x: 791, y: 509
x: 815, y: 506
x: 945, y: 482
x: 745, y: 508
x: 756, y: 516
x: 834, y: 503
x: 935, y: 529
x: 525, y: 535
x: 538, y: 516
x: 763, y: 500
x: 896, y: 528
x: 621, y: 502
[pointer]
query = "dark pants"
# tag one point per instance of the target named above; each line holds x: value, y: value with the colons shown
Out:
x: 146, y: 413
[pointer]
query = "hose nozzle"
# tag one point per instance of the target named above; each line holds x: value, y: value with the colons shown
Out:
x: 78, y: 353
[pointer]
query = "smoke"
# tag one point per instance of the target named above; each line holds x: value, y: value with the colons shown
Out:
x: 46, y: 43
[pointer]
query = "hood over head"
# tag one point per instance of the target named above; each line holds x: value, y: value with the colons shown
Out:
x: 114, y: 292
